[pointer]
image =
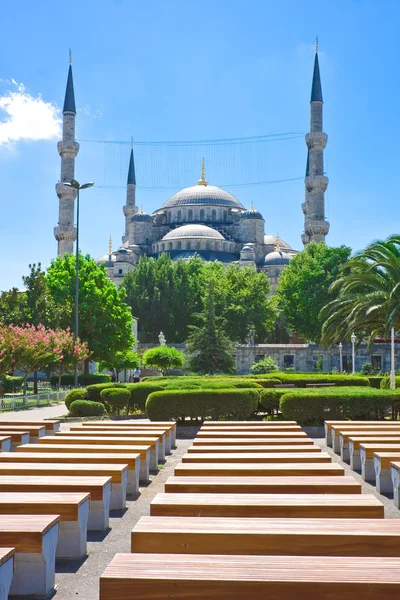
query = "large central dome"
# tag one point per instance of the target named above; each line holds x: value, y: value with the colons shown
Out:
x: 203, y: 194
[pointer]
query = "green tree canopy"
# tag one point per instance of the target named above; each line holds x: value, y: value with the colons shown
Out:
x: 208, y: 346
x: 121, y: 361
x: 105, y: 320
x: 304, y: 287
x: 163, y: 358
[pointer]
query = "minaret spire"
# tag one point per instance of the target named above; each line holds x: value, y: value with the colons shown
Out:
x: 202, y: 180
x: 68, y: 148
x: 315, y: 225
x: 130, y: 207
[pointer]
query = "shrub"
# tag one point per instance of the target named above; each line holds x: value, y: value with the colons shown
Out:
x: 270, y: 398
x: 86, y: 408
x: 267, y: 383
x: 309, y: 406
x: 385, y: 383
x: 375, y: 381
x: 115, y: 399
x: 11, y: 384
x: 139, y: 393
x: 93, y: 392
x: 302, y: 379
x: 218, y: 404
x: 67, y: 380
x: 163, y: 358
x: 266, y: 365
x: 77, y: 394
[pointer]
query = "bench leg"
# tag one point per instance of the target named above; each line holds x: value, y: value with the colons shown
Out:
x: 344, y: 452
x: 133, y: 479
x: 34, y: 573
x: 72, y: 537
x: 355, y: 460
x: 384, y: 484
x: 336, y: 444
x: 154, y: 458
x: 118, y: 493
x: 6, y: 576
x: 161, y: 449
x: 6, y: 446
x: 99, y: 513
x: 395, y: 483
x: 144, y: 472
x: 168, y: 443
x: 368, y: 470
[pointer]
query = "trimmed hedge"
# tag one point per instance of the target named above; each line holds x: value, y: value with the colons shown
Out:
x: 93, y: 392
x: 68, y: 380
x: 115, y: 399
x: 385, y: 383
x: 348, y: 403
x: 301, y: 379
x: 86, y: 408
x: 139, y: 393
x: 270, y: 399
x: 218, y: 404
x: 11, y: 384
x: 76, y: 394
x: 375, y: 381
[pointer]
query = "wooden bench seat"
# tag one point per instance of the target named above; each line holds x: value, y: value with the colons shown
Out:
x: 142, y: 450
x: 382, y: 467
x: 35, y: 431
x: 246, y: 423
x: 137, y: 434
x: 315, y: 537
x: 108, y: 441
x: 255, y: 457
x: 51, y: 425
x: 17, y: 437
x: 253, y: 441
x: 355, y: 424
x: 72, y: 508
x: 5, y: 443
x: 7, y: 559
x: 345, y: 436
x: 357, y: 443
x: 341, y: 446
x: 143, y: 423
x: 260, y: 470
x: 304, y: 506
x: 250, y: 449
x: 262, y: 428
x: 132, y: 460
x: 395, y: 474
x: 117, y: 473
x: 319, y: 385
x: 263, y: 485
x: 99, y: 489
x: 363, y: 453
x: 128, y: 430
x: 271, y: 433
x: 34, y: 538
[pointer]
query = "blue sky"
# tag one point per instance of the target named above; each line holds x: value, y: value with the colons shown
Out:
x: 191, y: 70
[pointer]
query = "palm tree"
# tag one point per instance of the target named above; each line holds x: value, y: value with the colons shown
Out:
x: 367, y: 295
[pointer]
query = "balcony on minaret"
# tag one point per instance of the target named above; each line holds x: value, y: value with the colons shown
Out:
x: 316, y: 183
x: 65, y: 191
x: 317, y: 227
x: 68, y: 149
x: 316, y: 140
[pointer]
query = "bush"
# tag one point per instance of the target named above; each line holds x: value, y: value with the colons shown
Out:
x: 116, y: 400
x: 86, y: 408
x: 11, y: 384
x: 375, y: 381
x: 163, y: 358
x: 302, y: 379
x: 67, y: 380
x: 266, y: 365
x: 139, y: 393
x: 267, y: 383
x: 93, y: 392
x: 270, y: 399
x: 385, y: 383
x: 77, y: 394
x: 218, y: 404
x: 348, y: 403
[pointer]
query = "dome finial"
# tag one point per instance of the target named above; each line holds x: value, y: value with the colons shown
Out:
x: 251, y: 205
x: 110, y: 246
x: 202, y: 180
x: 277, y: 243
x: 141, y: 209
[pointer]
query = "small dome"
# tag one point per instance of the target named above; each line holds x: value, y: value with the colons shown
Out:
x: 252, y: 214
x: 277, y: 258
x: 193, y: 231
x: 247, y: 249
x: 142, y: 216
x: 202, y: 194
x: 270, y: 240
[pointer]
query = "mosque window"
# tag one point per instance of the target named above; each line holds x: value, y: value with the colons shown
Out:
x: 179, y: 215
x: 288, y: 361
x: 216, y: 245
x: 179, y: 245
x: 224, y: 246
x: 190, y: 215
x: 197, y: 245
x: 208, y: 246
x: 214, y: 215
x: 162, y: 247
x: 188, y: 246
x: 202, y: 215
x: 169, y: 217
x: 225, y: 215
x: 120, y: 271
x: 169, y: 245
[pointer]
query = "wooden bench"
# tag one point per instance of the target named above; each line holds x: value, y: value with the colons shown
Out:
x: 17, y: 438
x: 249, y: 434
x: 356, y: 424
x: 263, y: 485
x: 159, y: 576
x: 128, y: 430
x: 294, y: 537
x: 304, y: 506
x: 72, y: 507
x: 144, y: 423
x: 218, y: 441
x: 258, y: 470
x: 336, y: 430
x: 319, y: 385
x: 6, y: 569
x: 99, y: 489
x: 382, y: 462
x: 34, y: 538
x: 395, y: 474
x: 262, y: 428
x: 108, y: 441
x: 35, y: 431
x: 255, y: 457
x: 284, y: 385
x: 356, y: 445
x: 247, y: 423
x: 117, y: 473
x: 143, y: 451
x: 51, y: 426
x: 250, y: 449
x: 358, y: 433
x: 5, y: 443
x: 131, y: 460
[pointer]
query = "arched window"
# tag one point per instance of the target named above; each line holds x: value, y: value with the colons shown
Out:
x: 179, y: 215
x: 162, y: 247
x: 179, y: 245
x: 158, y: 248
x: 197, y: 245
x: 169, y: 245
x: 224, y: 246
x: 208, y: 246
x: 190, y: 215
x: 213, y: 215
x: 202, y: 214
x: 169, y: 217
x: 216, y: 245
x: 225, y: 215
x: 188, y: 246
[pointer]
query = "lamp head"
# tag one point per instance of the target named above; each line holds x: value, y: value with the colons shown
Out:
x: 340, y: 345
x: 87, y: 185
x: 73, y: 183
x: 353, y: 338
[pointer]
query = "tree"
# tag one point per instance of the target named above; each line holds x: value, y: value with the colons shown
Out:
x: 68, y: 352
x: 304, y: 287
x: 209, y: 347
x: 366, y: 296
x: 121, y: 361
x: 266, y: 365
x: 105, y: 320
x: 13, y: 307
x: 163, y: 358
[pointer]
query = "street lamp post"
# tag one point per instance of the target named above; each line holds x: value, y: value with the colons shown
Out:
x: 78, y: 187
x: 341, y: 357
x: 353, y: 354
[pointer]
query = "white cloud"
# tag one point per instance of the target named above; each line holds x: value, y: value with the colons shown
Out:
x: 24, y: 117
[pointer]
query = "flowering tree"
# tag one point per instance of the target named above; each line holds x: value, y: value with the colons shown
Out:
x: 5, y: 350
x: 67, y: 351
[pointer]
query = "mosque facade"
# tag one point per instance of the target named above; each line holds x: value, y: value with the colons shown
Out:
x: 203, y: 219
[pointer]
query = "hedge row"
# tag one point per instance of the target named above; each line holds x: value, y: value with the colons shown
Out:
x: 68, y: 380
x: 271, y: 379
x: 232, y: 404
x: 10, y: 384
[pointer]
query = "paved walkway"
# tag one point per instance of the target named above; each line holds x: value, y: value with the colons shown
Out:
x: 36, y: 414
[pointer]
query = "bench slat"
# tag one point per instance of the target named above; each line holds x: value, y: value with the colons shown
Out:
x: 226, y: 470
x: 54, y: 469
x: 65, y: 504
x: 232, y: 441
x: 232, y: 457
x: 248, y: 449
x: 35, y: 483
x: 25, y: 532
x: 85, y: 448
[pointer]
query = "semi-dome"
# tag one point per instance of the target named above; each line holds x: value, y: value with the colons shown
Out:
x: 203, y: 194
x: 142, y: 216
x: 193, y: 231
x: 252, y: 214
x: 270, y: 240
x: 277, y: 258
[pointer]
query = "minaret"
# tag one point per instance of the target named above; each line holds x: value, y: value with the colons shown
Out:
x: 68, y: 148
x: 130, y: 207
x: 315, y: 225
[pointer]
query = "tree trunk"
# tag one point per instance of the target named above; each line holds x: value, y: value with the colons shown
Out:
x: 35, y: 383
x: 59, y: 380
x: 25, y: 380
x: 86, y: 371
